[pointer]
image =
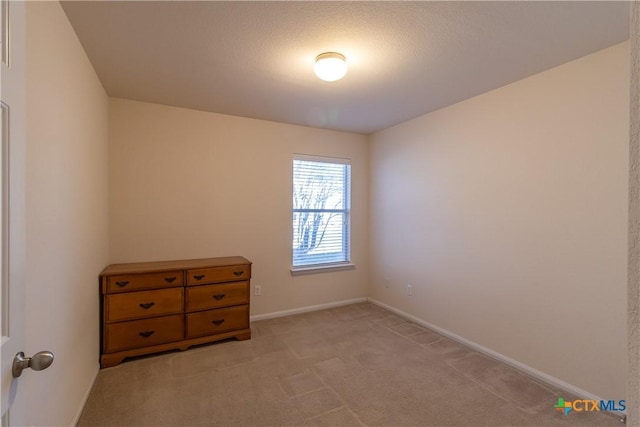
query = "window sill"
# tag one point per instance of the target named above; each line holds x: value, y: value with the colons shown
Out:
x: 298, y: 271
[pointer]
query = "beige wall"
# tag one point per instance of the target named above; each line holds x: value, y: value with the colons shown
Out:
x: 507, y: 213
x: 66, y: 199
x: 191, y: 184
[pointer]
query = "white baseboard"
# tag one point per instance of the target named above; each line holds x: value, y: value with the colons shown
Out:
x: 307, y: 309
x: 85, y: 398
x: 546, y: 378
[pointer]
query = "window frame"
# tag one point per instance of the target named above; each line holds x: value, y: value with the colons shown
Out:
x: 346, y: 212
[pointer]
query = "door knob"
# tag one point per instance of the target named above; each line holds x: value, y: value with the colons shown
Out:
x: 41, y: 360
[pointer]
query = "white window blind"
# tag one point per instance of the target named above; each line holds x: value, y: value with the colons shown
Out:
x: 321, y: 207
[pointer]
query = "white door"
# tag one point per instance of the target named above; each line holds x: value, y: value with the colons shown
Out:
x: 12, y: 212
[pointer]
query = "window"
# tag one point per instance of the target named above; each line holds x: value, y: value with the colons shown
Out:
x: 321, y: 205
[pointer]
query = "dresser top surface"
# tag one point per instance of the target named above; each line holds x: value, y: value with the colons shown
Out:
x: 157, y: 266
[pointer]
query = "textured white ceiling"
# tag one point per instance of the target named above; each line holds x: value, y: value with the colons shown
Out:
x: 255, y: 59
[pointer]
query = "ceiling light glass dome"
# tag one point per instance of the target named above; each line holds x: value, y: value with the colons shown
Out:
x: 330, y: 66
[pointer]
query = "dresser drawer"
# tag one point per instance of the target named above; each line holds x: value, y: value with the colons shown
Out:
x: 137, y: 305
x: 217, y: 321
x: 143, y: 333
x: 215, y: 296
x: 134, y: 282
x: 230, y: 273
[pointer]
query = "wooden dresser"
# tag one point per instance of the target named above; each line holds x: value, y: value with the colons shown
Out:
x: 157, y: 306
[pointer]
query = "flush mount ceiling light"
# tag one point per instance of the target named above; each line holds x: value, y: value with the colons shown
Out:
x: 330, y: 66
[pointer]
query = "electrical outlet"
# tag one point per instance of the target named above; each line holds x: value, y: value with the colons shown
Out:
x: 387, y: 283
x: 257, y: 290
x: 409, y: 290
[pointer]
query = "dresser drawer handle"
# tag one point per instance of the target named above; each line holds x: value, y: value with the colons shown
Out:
x: 218, y: 297
x: 123, y: 283
x: 146, y: 334
x: 147, y: 305
x: 238, y: 273
x: 199, y: 276
x: 218, y: 322
x: 169, y: 279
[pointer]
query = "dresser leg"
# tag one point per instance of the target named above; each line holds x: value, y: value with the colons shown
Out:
x: 243, y: 337
x: 107, y: 361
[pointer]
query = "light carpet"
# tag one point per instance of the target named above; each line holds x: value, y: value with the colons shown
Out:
x: 357, y: 365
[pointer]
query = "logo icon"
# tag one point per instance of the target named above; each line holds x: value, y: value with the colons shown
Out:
x: 563, y: 406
